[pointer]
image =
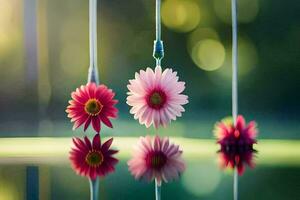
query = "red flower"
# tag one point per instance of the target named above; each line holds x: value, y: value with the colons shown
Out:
x: 228, y: 134
x: 92, y: 103
x: 236, y: 143
x: 93, y: 159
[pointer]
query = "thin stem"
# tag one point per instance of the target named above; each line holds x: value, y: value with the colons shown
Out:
x: 93, y: 70
x: 234, y: 82
x: 158, y: 48
x: 94, y: 188
x: 234, y: 60
x: 235, y: 184
x: 158, y: 61
x: 157, y: 190
x: 158, y: 20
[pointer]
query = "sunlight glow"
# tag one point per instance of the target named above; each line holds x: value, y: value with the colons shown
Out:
x: 208, y: 54
x: 55, y: 150
x: 248, y: 59
x: 195, y: 178
x: 181, y: 16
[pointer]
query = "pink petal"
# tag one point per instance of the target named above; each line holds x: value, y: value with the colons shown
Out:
x: 87, y: 123
x: 96, y: 142
x: 106, y: 121
x: 96, y: 124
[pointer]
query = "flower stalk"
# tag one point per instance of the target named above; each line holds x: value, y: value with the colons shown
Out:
x: 235, y: 183
x: 234, y: 82
x: 94, y: 188
x: 234, y: 61
x: 158, y: 48
x: 157, y: 190
x: 93, y: 68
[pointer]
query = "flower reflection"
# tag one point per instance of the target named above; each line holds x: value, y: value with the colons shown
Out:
x: 91, y: 158
x: 238, y: 158
x: 156, y: 158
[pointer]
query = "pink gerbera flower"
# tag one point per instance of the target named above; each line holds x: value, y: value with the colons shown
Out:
x: 93, y: 159
x: 156, y: 158
x: 92, y: 103
x: 236, y: 143
x: 155, y: 96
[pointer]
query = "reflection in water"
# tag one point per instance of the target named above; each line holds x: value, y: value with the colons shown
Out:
x: 32, y: 183
x: 266, y: 182
x: 12, y: 182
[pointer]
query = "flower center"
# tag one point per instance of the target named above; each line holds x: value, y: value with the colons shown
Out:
x: 156, y: 160
x: 94, y: 158
x: 93, y: 107
x: 156, y: 99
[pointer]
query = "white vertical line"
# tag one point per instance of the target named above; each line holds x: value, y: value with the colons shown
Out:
x: 234, y: 82
x: 93, y: 70
x: 234, y: 61
x: 158, y: 20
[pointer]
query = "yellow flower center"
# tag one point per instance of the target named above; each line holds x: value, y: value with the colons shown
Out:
x: 94, y: 158
x: 155, y: 98
x: 93, y: 107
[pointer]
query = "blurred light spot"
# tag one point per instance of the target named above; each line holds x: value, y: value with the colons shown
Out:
x: 247, y: 60
x: 248, y: 10
x: 11, y: 49
x: 10, y: 32
x: 208, y: 54
x: 196, y: 181
x: 12, y: 188
x: 182, y: 16
x: 6, y: 13
x: 201, y: 34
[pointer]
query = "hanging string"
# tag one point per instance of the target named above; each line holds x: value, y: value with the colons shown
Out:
x: 158, y: 48
x: 234, y: 61
x: 158, y: 19
x: 93, y: 68
x: 234, y: 82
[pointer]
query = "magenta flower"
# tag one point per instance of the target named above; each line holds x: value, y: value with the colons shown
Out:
x: 236, y: 143
x: 155, y: 96
x: 92, y: 103
x: 156, y: 158
x: 93, y: 159
x: 235, y: 135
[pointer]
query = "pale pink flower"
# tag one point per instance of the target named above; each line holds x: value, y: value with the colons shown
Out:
x: 155, y: 96
x: 156, y: 158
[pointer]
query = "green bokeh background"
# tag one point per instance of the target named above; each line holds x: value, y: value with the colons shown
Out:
x: 44, y: 56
